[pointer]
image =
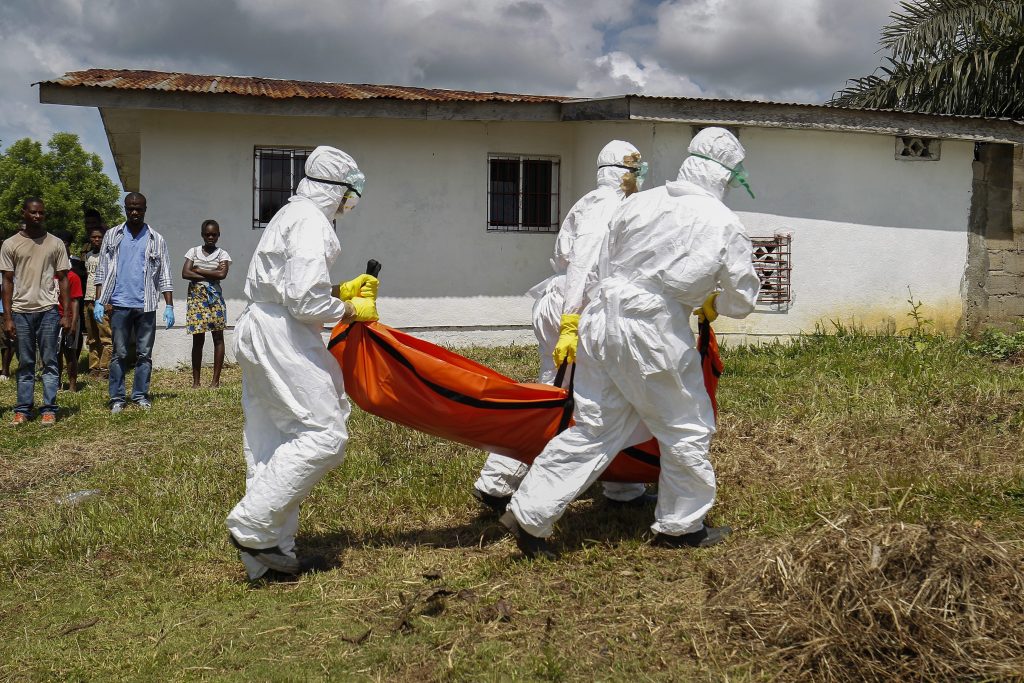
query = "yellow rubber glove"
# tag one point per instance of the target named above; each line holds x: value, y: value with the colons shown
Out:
x: 365, y: 309
x: 707, y: 311
x: 565, y: 348
x: 364, y: 286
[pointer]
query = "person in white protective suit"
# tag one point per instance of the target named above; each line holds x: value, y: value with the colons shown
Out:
x: 670, y: 251
x: 559, y: 300
x: 293, y: 394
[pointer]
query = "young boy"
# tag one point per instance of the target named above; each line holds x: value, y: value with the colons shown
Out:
x: 97, y: 334
x: 30, y: 262
x: 6, y: 345
x: 71, y: 341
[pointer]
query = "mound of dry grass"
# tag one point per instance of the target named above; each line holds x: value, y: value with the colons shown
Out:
x: 860, y: 599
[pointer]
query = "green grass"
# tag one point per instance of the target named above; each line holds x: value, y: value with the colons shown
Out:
x: 138, y: 582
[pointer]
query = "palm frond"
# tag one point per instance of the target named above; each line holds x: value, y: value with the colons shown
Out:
x: 927, y: 29
x: 948, y: 56
x: 978, y: 82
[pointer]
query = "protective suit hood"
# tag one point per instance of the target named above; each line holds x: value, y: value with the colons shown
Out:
x: 720, y: 145
x: 327, y: 163
x: 608, y: 175
x: 294, y: 392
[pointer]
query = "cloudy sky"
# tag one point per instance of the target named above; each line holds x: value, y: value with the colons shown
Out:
x: 781, y: 50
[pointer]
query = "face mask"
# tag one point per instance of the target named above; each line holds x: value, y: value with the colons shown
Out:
x: 356, y: 182
x: 737, y: 175
x: 348, y: 202
x: 641, y: 172
x: 352, y: 195
x: 634, y: 180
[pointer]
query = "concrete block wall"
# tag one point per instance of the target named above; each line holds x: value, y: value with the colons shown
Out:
x: 1004, y: 237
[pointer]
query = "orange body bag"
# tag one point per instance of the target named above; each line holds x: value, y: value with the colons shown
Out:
x: 406, y: 380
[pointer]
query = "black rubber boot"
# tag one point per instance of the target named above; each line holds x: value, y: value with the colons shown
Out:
x: 272, y: 558
x: 312, y: 564
x: 705, y: 537
x: 498, y: 504
x: 309, y: 564
x: 533, y: 547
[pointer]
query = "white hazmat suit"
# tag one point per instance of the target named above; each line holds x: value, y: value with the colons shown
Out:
x: 293, y: 394
x: 668, y: 250
x: 577, y: 249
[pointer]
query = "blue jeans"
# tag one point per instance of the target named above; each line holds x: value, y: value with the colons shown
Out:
x: 37, y: 332
x: 126, y: 323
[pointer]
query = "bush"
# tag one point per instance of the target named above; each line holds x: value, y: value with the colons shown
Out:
x: 998, y: 345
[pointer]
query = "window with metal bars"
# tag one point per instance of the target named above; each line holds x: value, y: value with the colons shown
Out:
x: 276, y: 174
x: 773, y: 263
x: 522, y: 193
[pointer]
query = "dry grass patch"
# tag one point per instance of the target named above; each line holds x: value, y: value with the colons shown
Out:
x: 862, y: 598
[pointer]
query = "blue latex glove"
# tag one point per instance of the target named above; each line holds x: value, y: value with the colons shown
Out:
x: 98, y: 311
x: 169, y: 316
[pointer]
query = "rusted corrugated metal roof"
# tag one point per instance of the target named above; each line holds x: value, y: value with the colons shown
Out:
x: 125, y: 79
x: 811, y: 105
x: 278, y: 89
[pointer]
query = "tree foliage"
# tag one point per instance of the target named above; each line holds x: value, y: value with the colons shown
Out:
x: 948, y: 57
x: 66, y: 177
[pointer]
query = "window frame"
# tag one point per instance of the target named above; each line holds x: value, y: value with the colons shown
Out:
x: 554, y: 195
x: 774, y: 269
x: 257, y: 187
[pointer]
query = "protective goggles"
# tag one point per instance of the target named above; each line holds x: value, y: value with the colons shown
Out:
x: 738, y: 174
x: 352, y: 195
x: 640, y: 171
x: 356, y: 188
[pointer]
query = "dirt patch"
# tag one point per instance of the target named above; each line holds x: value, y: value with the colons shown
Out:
x: 866, y: 599
x: 64, y: 459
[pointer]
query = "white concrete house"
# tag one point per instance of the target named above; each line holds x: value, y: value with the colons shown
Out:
x: 465, y: 191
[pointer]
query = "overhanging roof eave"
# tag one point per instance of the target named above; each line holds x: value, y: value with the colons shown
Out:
x: 901, y: 128
x: 793, y: 116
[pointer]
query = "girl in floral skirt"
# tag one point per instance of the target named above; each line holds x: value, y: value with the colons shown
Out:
x: 205, y: 267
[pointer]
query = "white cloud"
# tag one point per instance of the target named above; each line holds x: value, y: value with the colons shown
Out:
x: 757, y: 49
x: 617, y: 73
x: 799, y: 50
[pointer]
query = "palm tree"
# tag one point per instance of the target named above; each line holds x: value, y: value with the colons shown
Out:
x: 948, y: 57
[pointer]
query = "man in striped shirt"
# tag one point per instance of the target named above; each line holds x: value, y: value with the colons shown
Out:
x: 133, y: 271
